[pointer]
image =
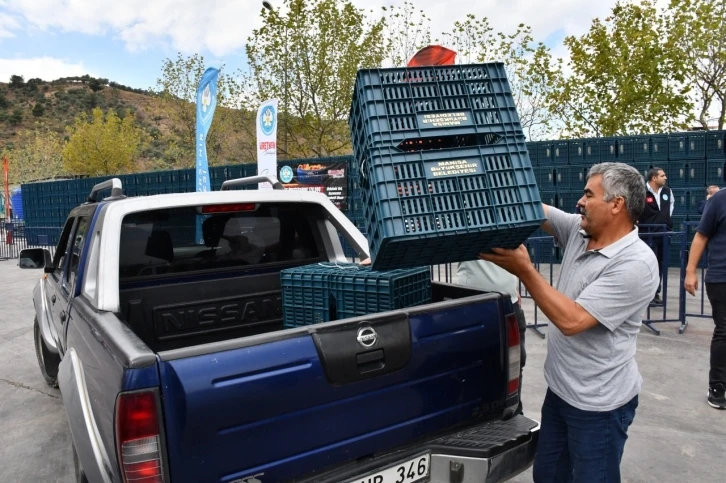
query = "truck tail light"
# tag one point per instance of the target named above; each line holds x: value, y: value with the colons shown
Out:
x: 513, y: 354
x: 138, y: 438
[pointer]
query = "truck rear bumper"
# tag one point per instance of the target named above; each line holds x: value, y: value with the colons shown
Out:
x: 446, y: 468
x: 489, y: 452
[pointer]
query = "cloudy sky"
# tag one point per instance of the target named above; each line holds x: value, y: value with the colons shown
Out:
x: 127, y: 40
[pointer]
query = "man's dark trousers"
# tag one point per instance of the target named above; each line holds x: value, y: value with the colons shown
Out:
x: 717, y: 297
x: 577, y: 446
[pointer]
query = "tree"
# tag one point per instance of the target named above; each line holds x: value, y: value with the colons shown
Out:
x: 699, y: 29
x: 307, y: 55
x: 4, y: 102
x: 16, y: 117
x: 38, y: 109
x: 531, y: 71
x: 37, y: 155
x: 17, y: 81
x: 95, y: 85
x: 626, y: 77
x: 103, y: 144
x: 177, y: 88
x: 408, y: 30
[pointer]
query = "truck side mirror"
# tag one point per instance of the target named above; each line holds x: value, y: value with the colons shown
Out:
x: 35, y: 258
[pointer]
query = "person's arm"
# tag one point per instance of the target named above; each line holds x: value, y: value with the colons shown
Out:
x: 546, y: 225
x: 616, y: 294
x: 696, y: 252
x: 562, y: 311
x: 706, y: 228
x: 673, y: 202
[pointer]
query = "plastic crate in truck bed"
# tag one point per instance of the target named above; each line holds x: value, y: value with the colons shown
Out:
x: 324, y: 292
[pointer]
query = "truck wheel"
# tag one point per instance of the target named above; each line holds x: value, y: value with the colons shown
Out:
x: 47, y: 360
x: 80, y: 477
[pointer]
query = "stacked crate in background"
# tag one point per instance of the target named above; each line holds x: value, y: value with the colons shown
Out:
x: 692, y: 161
x: 442, y: 165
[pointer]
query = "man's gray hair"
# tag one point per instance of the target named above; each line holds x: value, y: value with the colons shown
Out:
x: 619, y: 179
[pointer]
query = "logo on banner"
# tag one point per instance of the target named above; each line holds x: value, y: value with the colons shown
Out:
x: 206, y: 99
x: 267, y: 120
x: 286, y: 174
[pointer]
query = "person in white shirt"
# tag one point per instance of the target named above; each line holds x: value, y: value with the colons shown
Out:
x: 489, y: 277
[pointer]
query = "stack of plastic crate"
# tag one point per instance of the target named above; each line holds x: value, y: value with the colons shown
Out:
x: 442, y: 164
x: 325, y: 292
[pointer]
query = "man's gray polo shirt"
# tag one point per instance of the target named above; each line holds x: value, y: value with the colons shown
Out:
x: 595, y: 370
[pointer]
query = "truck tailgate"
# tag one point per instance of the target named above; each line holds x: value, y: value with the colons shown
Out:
x: 294, y: 402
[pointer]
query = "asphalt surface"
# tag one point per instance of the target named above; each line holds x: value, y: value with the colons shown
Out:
x: 676, y: 436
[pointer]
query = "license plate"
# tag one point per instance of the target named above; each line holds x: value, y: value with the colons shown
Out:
x: 408, y: 471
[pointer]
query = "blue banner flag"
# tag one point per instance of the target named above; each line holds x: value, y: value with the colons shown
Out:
x: 206, y: 103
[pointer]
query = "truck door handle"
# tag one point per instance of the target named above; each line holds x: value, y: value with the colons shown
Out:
x: 371, y: 361
x: 63, y: 315
x: 52, y: 299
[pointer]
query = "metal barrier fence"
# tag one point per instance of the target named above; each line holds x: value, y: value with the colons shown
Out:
x: 15, y: 236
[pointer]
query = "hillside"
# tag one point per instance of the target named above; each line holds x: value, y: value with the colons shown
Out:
x: 57, y: 104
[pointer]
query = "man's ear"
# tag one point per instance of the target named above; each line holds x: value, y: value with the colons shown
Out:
x: 618, y: 205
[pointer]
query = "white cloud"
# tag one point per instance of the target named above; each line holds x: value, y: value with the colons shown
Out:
x: 46, y: 68
x: 220, y: 27
x: 7, y: 25
x: 223, y: 26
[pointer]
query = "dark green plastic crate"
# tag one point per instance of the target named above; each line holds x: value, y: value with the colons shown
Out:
x: 686, y: 173
x: 659, y: 146
x: 416, y: 218
x: 626, y: 149
x: 716, y: 173
x: 697, y: 145
x: 325, y: 292
x: 561, y: 153
x: 397, y: 106
x: 677, y: 146
x: 715, y: 145
x: 572, y: 177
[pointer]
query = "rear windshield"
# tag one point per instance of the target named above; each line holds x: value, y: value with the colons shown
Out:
x: 181, y: 240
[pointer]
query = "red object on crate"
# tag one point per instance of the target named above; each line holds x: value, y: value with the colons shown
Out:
x: 432, y: 55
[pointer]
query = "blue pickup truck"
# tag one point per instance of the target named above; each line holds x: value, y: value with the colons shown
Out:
x: 160, y: 320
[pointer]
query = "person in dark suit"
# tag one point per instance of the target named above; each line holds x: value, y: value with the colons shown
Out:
x: 658, y: 211
x: 710, y: 191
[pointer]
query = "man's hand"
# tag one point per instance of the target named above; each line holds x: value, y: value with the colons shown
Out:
x: 515, y: 261
x: 367, y: 261
x: 691, y: 283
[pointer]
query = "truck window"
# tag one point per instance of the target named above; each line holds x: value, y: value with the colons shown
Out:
x: 60, y: 251
x: 181, y: 240
x: 77, y: 247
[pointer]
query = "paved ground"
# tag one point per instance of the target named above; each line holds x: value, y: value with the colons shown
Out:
x: 676, y: 436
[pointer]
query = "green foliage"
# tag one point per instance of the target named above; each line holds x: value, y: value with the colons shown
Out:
x: 626, y: 78
x: 95, y: 85
x: 532, y: 72
x: 36, y: 155
x: 307, y: 54
x: 16, y: 117
x: 407, y: 31
x: 4, y: 102
x: 38, y: 110
x: 102, y: 144
x: 698, y: 29
x: 17, y: 81
x: 177, y: 88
